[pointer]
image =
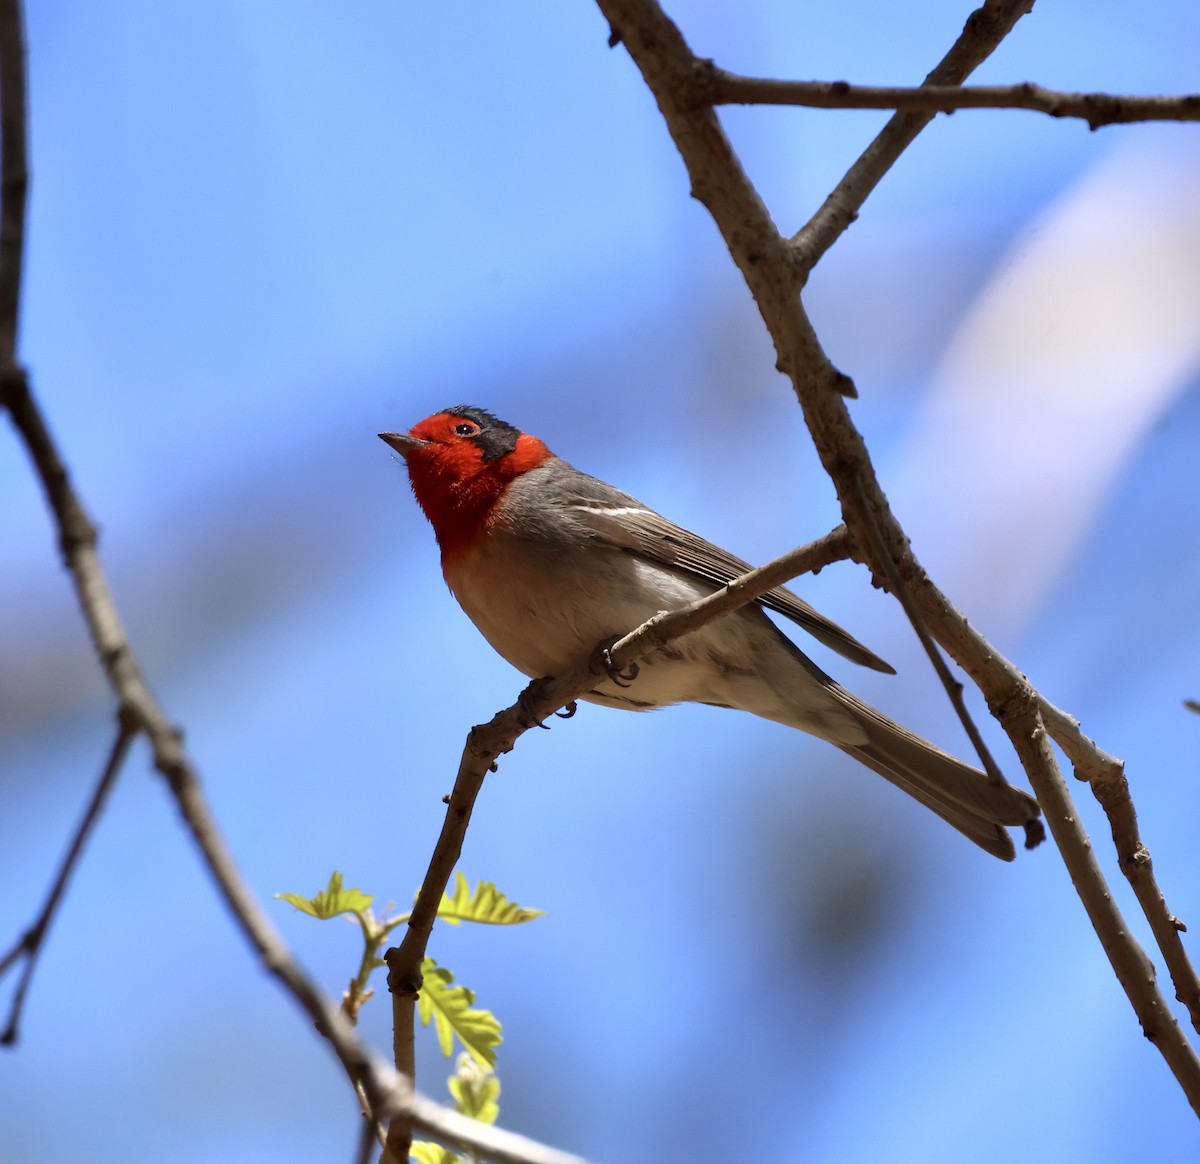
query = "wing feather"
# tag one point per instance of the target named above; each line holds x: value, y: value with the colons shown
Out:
x: 627, y: 523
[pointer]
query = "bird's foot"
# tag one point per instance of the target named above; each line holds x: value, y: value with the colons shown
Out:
x: 621, y: 678
x: 528, y: 699
x: 531, y: 695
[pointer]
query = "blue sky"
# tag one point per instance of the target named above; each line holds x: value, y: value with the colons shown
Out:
x: 261, y: 233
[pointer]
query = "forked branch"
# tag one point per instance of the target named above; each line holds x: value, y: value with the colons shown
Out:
x: 774, y: 272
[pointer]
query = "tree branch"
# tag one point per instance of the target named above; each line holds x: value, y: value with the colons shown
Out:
x: 139, y: 711
x: 366, y: 1141
x: 385, y: 1094
x: 541, y: 699
x: 14, y: 173
x: 986, y: 27
x: 1097, y: 109
x: 1105, y: 775
x: 487, y: 1140
x: 29, y: 945
x: 1035, y: 833
x: 1133, y: 968
x: 773, y: 273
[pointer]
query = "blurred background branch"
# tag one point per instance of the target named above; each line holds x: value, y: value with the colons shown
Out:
x: 27, y: 949
x: 138, y: 710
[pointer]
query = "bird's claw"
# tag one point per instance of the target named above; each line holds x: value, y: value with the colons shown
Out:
x: 620, y: 678
x: 530, y: 695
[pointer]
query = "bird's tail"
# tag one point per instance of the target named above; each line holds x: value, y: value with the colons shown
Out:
x: 961, y: 795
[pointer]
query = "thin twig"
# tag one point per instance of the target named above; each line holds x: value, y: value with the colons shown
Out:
x: 139, y: 711
x: 366, y: 1141
x: 986, y: 27
x: 667, y: 626
x: 379, y: 1084
x: 717, y: 179
x: 490, y: 1142
x: 540, y: 699
x: 1133, y: 968
x: 14, y: 174
x: 372, y: 1122
x: 1035, y: 833
x: 1001, y: 682
x: 1097, y: 109
x: 30, y: 944
x: 1105, y: 776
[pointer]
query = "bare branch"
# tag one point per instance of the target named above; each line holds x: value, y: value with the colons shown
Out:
x: 29, y: 945
x: 540, y: 699
x: 986, y: 27
x: 1133, y: 968
x: 1002, y: 683
x: 14, y: 173
x: 366, y: 1141
x: 1035, y: 833
x: 1106, y: 776
x: 140, y: 712
x: 490, y: 1142
x: 771, y: 271
x: 139, y: 705
x: 1097, y: 109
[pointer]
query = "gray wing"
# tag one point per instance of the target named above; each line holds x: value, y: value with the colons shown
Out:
x: 625, y: 522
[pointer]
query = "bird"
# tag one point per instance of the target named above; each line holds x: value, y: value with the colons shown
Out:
x: 550, y: 564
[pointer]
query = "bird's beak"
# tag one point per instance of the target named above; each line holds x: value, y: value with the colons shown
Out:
x: 403, y: 443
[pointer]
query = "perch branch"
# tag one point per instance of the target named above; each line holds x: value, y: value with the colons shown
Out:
x: 540, y: 699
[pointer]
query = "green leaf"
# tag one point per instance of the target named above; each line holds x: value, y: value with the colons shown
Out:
x: 476, y: 1090
x: 427, y: 1152
x: 331, y: 901
x: 453, y: 1013
x: 486, y: 905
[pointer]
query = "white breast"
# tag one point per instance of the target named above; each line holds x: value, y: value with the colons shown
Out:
x: 546, y: 610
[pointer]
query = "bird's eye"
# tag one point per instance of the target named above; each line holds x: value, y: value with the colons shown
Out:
x: 465, y: 430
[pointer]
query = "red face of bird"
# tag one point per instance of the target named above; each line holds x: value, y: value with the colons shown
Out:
x: 459, y: 463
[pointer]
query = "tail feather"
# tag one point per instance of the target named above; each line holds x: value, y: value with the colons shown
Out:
x: 961, y: 795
